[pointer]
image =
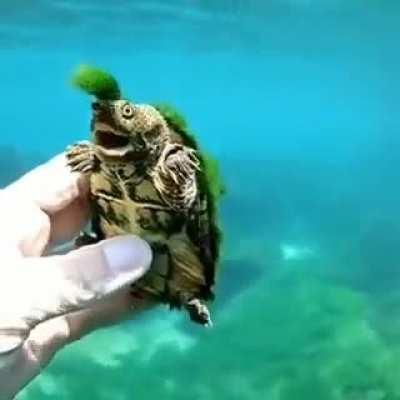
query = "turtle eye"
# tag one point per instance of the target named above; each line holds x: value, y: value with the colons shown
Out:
x: 127, y: 111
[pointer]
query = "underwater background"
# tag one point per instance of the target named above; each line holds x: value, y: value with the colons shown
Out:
x: 299, y: 100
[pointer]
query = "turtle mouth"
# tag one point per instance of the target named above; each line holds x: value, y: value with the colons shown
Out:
x: 110, y: 140
x: 111, y: 144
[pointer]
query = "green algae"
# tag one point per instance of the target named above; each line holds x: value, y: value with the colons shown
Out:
x: 210, y: 180
x: 96, y: 82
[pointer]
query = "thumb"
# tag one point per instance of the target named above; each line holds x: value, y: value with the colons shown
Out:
x: 87, y: 275
x: 56, y: 285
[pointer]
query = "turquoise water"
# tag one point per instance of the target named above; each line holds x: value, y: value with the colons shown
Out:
x: 298, y: 99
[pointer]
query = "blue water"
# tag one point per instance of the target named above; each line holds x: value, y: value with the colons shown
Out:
x: 298, y: 99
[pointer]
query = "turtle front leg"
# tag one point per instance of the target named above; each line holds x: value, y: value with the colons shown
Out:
x: 81, y: 157
x: 175, y: 176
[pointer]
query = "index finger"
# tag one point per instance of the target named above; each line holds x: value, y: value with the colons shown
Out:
x: 68, y: 222
x: 52, y: 186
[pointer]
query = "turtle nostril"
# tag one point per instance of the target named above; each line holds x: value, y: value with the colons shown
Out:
x: 95, y: 106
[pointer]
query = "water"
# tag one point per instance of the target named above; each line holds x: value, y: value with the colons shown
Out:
x: 298, y: 99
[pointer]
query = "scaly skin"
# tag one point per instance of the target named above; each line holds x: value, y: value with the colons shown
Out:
x: 174, y: 176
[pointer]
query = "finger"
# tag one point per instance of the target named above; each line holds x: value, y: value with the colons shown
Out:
x: 25, y: 228
x: 121, y: 306
x: 30, y: 231
x: 57, y: 285
x: 92, y: 273
x: 104, y: 313
x: 68, y: 222
x: 52, y: 186
x: 47, y: 338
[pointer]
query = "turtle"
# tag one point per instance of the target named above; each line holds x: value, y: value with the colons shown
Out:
x: 149, y: 177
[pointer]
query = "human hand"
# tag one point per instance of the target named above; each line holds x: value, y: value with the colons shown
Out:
x: 48, y: 301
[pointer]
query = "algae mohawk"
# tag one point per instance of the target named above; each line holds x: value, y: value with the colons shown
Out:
x: 96, y: 82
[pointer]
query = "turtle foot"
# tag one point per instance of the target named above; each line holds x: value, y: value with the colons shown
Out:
x: 199, y: 312
x: 81, y: 157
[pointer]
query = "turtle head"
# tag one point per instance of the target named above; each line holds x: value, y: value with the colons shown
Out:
x: 121, y: 128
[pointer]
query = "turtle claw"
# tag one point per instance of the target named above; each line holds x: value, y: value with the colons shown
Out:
x: 83, y: 166
x: 181, y: 166
x: 199, y: 312
x: 193, y: 159
x: 81, y: 157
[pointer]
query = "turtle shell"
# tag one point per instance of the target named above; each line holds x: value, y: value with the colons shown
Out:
x: 185, y: 245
